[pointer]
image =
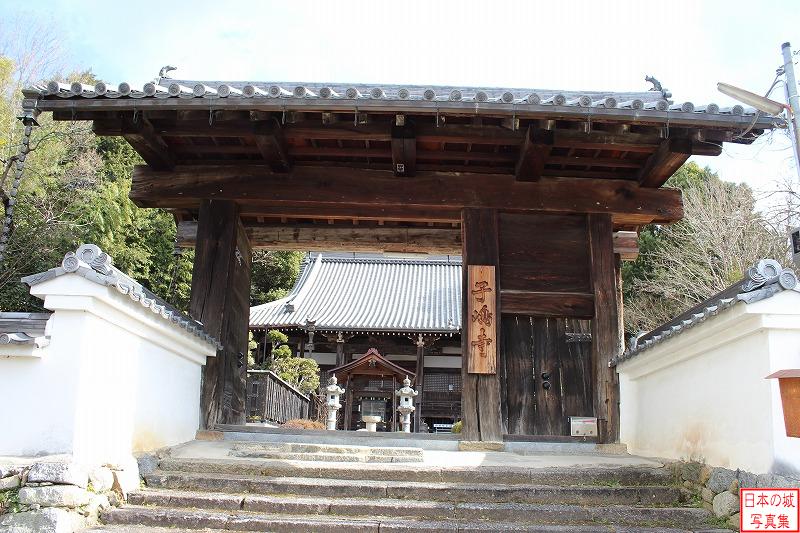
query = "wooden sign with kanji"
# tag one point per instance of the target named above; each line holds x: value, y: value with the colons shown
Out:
x: 481, y: 319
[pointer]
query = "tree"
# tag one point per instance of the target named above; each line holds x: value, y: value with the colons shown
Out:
x: 301, y: 373
x: 278, y: 340
x: 720, y: 236
x: 279, y: 349
x: 273, y: 275
x: 75, y: 186
x: 298, y: 371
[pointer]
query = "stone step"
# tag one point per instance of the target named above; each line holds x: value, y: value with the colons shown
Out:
x: 292, y: 451
x: 418, y: 509
x: 301, y: 447
x: 468, y: 517
x: 405, y: 525
x: 326, y: 457
x: 443, y: 492
x: 621, y: 476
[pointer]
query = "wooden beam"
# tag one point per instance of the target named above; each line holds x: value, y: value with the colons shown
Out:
x: 381, y: 239
x: 593, y: 162
x: 143, y: 138
x: 382, y: 153
x: 547, y: 304
x: 404, y: 150
x: 318, y: 238
x: 480, y: 393
x: 591, y: 174
x: 397, y: 213
x: 270, y: 142
x: 425, y: 133
x: 602, y: 140
x: 671, y: 154
x: 605, y: 327
x: 626, y: 245
x: 316, y: 187
x: 220, y: 299
x: 533, y: 154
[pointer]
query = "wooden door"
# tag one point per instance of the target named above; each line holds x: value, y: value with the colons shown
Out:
x: 546, y: 373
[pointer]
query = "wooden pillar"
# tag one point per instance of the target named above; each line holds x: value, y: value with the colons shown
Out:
x: 220, y: 299
x: 348, y: 412
x: 339, y: 349
x: 266, y: 343
x: 394, y: 404
x: 420, y: 381
x: 480, y: 394
x: 620, y: 305
x: 605, y: 327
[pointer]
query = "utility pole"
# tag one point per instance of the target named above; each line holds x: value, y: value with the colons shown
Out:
x: 794, y: 103
x: 793, y: 100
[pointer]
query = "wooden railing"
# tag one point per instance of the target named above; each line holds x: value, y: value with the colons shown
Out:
x: 271, y: 399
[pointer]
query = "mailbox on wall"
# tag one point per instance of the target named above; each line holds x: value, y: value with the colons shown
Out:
x: 789, y: 381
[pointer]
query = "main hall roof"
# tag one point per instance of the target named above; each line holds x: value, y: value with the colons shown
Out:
x: 370, y: 294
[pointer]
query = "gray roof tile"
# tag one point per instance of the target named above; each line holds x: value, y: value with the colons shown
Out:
x: 631, y: 104
x: 90, y: 262
x: 762, y: 281
x: 392, y: 295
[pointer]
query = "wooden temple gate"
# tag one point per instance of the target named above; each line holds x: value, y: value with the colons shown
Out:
x: 532, y: 190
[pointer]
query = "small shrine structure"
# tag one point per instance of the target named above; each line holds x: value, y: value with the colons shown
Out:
x: 370, y: 383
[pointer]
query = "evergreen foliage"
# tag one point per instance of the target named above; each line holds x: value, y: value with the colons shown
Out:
x: 300, y: 372
x: 75, y: 190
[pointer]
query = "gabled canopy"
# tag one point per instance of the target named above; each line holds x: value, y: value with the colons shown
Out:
x: 371, y: 363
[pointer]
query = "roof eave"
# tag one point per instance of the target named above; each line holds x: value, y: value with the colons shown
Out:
x: 541, y: 111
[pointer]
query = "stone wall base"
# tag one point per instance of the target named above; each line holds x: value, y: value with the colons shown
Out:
x: 60, y: 495
x: 717, y: 489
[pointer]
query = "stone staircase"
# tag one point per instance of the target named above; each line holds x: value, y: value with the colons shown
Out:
x: 293, y: 451
x: 250, y: 495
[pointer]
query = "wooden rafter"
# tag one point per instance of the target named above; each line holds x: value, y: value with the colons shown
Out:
x: 269, y: 140
x: 404, y: 149
x: 671, y: 154
x: 533, y: 154
x: 141, y: 135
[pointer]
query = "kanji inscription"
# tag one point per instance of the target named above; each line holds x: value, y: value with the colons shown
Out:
x: 482, y: 320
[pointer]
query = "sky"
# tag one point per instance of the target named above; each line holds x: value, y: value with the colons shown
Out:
x: 559, y: 44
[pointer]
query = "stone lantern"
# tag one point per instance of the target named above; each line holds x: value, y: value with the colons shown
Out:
x: 407, y: 395
x: 333, y: 391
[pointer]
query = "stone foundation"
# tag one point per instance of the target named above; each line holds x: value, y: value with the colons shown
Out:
x: 60, y: 495
x: 717, y: 489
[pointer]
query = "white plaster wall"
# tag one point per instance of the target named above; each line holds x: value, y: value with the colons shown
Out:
x: 702, y: 394
x: 39, y: 398
x: 115, y: 379
x: 784, y: 353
